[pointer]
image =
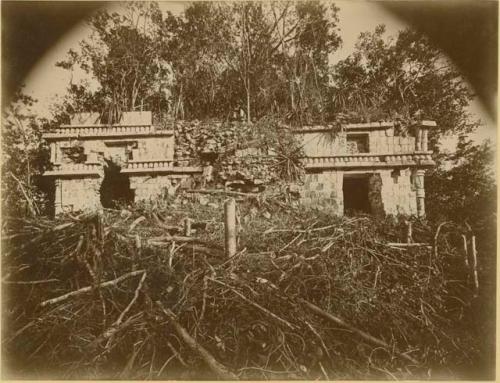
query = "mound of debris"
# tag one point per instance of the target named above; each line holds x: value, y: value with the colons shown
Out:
x: 242, y: 156
x: 138, y: 294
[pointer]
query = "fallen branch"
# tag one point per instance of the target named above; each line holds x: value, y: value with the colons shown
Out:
x: 114, y: 327
x: 136, y: 222
x: 379, y: 342
x: 33, y: 208
x: 87, y: 289
x: 398, y: 244
x: 181, y: 239
x: 221, y: 370
x: 30, y: 282
x: 263, y: 309
x: 269, y: 231
x: 227, y: 192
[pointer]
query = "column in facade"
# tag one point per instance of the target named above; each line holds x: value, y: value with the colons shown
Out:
x: 425, y: 135
x: 420, y: 191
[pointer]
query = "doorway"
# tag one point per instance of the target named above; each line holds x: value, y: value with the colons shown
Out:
x: 355, y: 189
x: 115, y: 188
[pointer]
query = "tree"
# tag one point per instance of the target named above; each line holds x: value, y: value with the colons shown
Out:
x: 122, y: 56
x: 462, y: 187
x: 404, y: 78
x: 24, y: 158
x: 251, y: 58
x: 195, y: 45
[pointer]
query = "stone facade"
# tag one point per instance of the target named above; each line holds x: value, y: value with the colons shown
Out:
x: 400, y: 162
x: 77, y: 193
x: 82, y: 151
x: 371, y: 167
x: 324, y: 189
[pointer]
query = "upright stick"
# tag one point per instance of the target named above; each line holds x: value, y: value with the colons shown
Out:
x: 187, y: 227
x: 474, y: 266
x: 409, y: 232
x: 466, y: 253
x: 230, y: 226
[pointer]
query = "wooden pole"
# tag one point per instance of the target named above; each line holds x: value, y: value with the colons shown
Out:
x: 474, y: 266
x: 187, y: 227
x: 230, y: 226
x: 466, y: 253
x: 409, y: 232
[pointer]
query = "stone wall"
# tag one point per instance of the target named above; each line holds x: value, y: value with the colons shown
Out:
x: 141, y: 149
x: 83, y: 193
x: 148, y: 187
x: 325, y: 189
x: 73, y: 194
x: 324, y: 144
x: 398, y: 192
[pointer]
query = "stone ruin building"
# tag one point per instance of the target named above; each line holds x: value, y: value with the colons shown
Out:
x: 95, y: 164
x: 368, y: 167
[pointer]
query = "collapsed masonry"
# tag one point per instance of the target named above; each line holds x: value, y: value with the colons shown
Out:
x: 363, y: 168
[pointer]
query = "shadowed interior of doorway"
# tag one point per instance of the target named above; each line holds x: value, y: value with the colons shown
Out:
x: 362, y: 194
x: 115, y: 188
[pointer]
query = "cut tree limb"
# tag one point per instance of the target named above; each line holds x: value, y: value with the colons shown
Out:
x: 398, y: 244
x: 33, y: 208
x: 474, y: 266
x: 263, y: 309
x: 87, y: 289
x: 114, y: 327
x: 221, y: 370
x: 227, y: 192
x: 230, y: 227
x: 181, y: 239
x: 379, y: 342
x: 436, y: 236
x: 30, y: 282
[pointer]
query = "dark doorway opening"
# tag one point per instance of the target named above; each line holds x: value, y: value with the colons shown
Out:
x: 115, y: 188
x: 355, y: 189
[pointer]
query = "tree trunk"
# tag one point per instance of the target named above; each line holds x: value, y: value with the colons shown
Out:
x: 249, y: 119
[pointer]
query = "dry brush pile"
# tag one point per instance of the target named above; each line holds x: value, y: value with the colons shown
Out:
x: 308, y: 296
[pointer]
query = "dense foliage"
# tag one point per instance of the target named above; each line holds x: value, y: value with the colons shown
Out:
x: 404, y: 78
x: 462, y: 189
x: 24, y: 158
x: 248, y: 60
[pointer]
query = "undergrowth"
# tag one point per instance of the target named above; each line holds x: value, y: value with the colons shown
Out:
x: 249, y: 312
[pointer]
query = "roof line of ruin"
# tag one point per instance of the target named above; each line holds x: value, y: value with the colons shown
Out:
x: 364, y: 125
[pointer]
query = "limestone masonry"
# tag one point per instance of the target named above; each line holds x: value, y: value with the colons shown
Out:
x: 365, y: 167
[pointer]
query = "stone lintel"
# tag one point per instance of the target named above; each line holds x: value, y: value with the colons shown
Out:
x: 102, y: 135
x: 427, y: 123
x: 100, y: 125
x: 173, y: 170
x: 360, y: 126
x: 72, y: 173
x: 371, y: 161
x: 365, y: 165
